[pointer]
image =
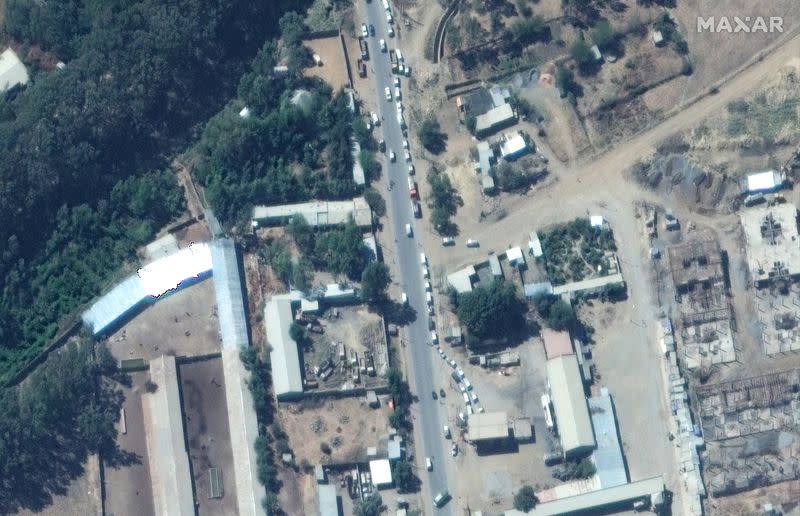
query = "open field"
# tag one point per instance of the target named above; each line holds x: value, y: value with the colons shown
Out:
x: 127, y: 479
x: 347, y: 425
x: 181, y: 324
x: 205, y: 420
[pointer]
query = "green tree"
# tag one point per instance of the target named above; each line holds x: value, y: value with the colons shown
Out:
x: 375, y: 201
x: 370, y: 506
x: 525, y: 499
x: 493, y: 310
x: 603, y: 35
x: 556, y: 313
x: 471, y: 121
x: 404, y: 477
x: 583, y: 57
x: 292, y: 28
x: 529, y: 30
x: 453, y: 38
x: 431, y: 136
x: 565, y: 81
x: 374, y: 282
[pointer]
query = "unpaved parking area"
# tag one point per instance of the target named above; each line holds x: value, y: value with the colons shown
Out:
x: 181, y: 324
x: 82, y: 495
x: 333, y: 69
x: 347, y: 425
x: 205, y: 420
x: 127, y: 476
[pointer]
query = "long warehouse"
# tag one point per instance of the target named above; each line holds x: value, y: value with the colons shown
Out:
x: 569, y: 402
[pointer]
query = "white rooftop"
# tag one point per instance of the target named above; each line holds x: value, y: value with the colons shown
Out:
x: 515, y: 256
x: 12, y: 70
x: 462, y: 280
x: 381, y: 472
x: 165, y: 274
x: 596, y: 221
x: 764, y: 181
x: 514, y: 145
x: 287, y: 377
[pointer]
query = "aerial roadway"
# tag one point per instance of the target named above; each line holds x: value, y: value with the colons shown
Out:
x: 418, y: 350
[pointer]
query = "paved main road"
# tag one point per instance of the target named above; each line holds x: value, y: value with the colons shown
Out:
x: 418, y: 352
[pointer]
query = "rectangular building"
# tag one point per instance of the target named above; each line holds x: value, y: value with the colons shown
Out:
x: 494, y: 120
x: 489, y: 426
x: 569, y: 401
x: 327, y: 500
x: 166, y: 447
x: 316, y: 213
x: 556, y: 343
x: 287, y: 374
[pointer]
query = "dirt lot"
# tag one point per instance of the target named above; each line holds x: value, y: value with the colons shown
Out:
x: 205, y: 420
x: 333, y: 69
x: 82, y: 496
x: 181, y: 324
x: 360, y: 331
x: 128, y: 477
x: 347, y: 421
x: 783, y: 497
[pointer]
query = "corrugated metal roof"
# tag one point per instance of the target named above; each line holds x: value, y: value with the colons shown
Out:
x: 112, y: 308
x: 287, y: 376
x: 166, y: 448
x: 764, y: 181
x: 493, y: 118
x: 381, y: 472
x: 489, y: 425
x: 586, y: 502
x: 229, y: 295
x: 607, y: 457
x: 569, y: 401
x: 317, y: 213
x: 326, y: 495
x: 556, y: 343
x: 462, y: 280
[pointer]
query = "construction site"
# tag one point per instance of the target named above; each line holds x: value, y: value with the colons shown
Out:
x: 704, y: 323
x: 751, y: 428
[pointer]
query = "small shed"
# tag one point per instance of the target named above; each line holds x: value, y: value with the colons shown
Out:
x: 394, y: 448
x: 658, y: 38
x: 494, y: 266
x: 515, y: 257
x: 372, y: 399
x: 245, y: 112
x: 598, y: 56
x: 319, y: 474
x: 596, y: 221
x: 523, y: 430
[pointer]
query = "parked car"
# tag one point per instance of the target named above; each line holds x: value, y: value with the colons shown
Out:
x: 446, y: 432
x: 410, y: 169
x: 397, y: 82
x: 407, y: 156
x: 376, y: 121
x: 472, y: 243
x: 405, y: 143
x: 409, y: 232
x: 434, y: 395
x: 442, y: 393
x: 423, y: 259
x: 364, y: 31
x: 454, y: 450
x: 434, y: 337
x: 371, y: 29
x: 428, y: 463
x: 392, y: 156
x: 447, y: 241
x: 382, y: 146
x: 389, y: 18
x: 387, y: 93
x: 390, y: 31
x: 397, y: 95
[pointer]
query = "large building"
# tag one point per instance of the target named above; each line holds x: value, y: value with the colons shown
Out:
x: 287, y: 374
x: 316, y: 213
x: 166, y: 448
x: 556, y: 343
x: 773, y: 243
x: 489, y: 431
x: 569, y: 401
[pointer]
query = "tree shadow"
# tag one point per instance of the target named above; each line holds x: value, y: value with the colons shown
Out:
x: 397, y: 313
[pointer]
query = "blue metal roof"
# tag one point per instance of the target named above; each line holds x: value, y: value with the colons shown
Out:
x: 607, y: 457
x: 229, y: 296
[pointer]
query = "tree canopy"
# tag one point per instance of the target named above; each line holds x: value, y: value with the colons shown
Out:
x: 65, y: 410
x: 491, y: 311
x: 431, y: 136
x: 525, y: 499
x: 374, y: 281
x: 84, y: 178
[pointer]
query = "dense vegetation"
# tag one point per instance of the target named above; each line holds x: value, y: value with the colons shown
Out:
x: 374, y: 281
x: 491, y: 311
x: 401, y: 394
x: 431, y: 136
x: 51, y: 423
x: 85, y: 147
x: 556, y: 313
x: 340, y: 250
x: 259, y: 384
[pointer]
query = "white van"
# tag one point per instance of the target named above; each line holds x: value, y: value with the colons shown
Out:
x: 474, y: 397
x: 409, y: 232
x: 423, y: 259
x: 428, y: 461
x: 404, y: 298
x: 429, y: 298
x: 446, y: 432
x: 466, y: 398
x: 386, y: 4
x: 467, y: 384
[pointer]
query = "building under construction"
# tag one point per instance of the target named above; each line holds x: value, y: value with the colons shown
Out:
x: 773, y: 244
x: 698, y: 276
